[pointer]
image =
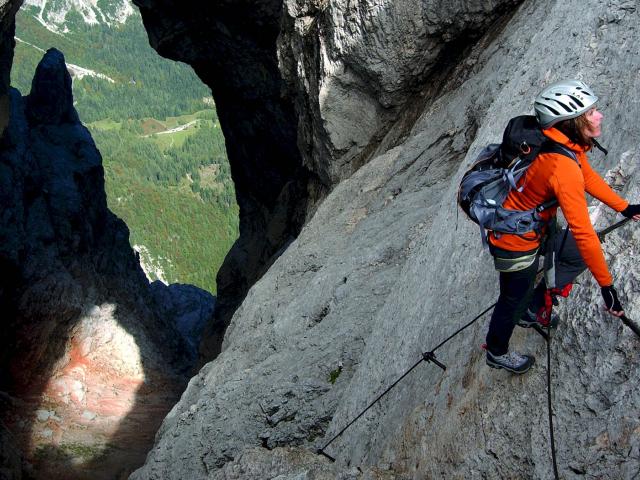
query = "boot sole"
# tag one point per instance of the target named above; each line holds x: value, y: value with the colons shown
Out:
x: 498, y: 366
x: 534, y: 324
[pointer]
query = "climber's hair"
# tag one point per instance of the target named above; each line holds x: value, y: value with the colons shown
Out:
x: 576, y: 129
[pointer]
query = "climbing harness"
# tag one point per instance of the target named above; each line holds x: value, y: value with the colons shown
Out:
x: 430, y: 356
x: 544, y: 312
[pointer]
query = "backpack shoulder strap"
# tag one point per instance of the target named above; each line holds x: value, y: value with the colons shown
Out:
x: 555, y: 147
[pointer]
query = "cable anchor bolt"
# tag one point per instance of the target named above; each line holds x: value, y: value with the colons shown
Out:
x: 320, y: 451
x: 431, y: 357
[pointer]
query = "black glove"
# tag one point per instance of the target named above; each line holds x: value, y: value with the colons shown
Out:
x: 631, y: 210
x: 611, y: 298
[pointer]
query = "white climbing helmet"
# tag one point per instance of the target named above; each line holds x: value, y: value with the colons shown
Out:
x: 563, y: 100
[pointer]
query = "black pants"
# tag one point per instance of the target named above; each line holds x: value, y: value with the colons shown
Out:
x: 517, y: 292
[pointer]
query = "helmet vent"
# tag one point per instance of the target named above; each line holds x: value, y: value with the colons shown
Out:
x: 576, y: 100
x: 567, y: 109
x: 555, y: 112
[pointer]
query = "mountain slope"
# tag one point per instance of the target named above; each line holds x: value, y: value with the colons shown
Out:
x: 52, y: 14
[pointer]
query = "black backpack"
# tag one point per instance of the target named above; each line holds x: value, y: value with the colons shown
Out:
x: 496, y: 172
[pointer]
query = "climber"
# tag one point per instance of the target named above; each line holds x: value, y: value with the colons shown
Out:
x: 567, y: 114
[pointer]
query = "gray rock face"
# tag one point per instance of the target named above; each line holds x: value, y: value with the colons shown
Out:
x: 352, y: 67
x: 291, y: 463
x: 385, y: 270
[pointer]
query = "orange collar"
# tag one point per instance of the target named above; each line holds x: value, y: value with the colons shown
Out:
x: 557, y: 136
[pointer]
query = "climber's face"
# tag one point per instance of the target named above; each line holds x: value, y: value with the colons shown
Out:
x: 594, y: 117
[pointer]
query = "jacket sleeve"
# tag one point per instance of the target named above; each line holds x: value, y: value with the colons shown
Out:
x: 569, y: 187
x: 597, y: 187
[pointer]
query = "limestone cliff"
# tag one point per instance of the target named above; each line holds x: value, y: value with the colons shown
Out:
x: 384, y: 269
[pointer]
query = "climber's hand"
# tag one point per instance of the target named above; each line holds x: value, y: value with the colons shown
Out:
x: 632, y: 211
x: 611, y: 301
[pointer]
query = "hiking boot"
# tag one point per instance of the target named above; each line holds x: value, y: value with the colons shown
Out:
x: 512, y: 361
x: 529, y: 319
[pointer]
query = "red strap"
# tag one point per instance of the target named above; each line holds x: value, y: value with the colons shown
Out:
x: 543, y: 315
x: 562, y: 292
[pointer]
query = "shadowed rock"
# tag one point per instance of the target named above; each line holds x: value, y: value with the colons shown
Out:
x: 51, y: 101
x: 8, y: 9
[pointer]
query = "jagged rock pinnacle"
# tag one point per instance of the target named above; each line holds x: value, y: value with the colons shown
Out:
x: 51, y: 100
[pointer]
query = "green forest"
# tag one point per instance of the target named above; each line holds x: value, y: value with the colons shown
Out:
x: 166, y: 170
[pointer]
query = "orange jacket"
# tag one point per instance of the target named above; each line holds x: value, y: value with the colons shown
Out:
x: 553, y: 175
